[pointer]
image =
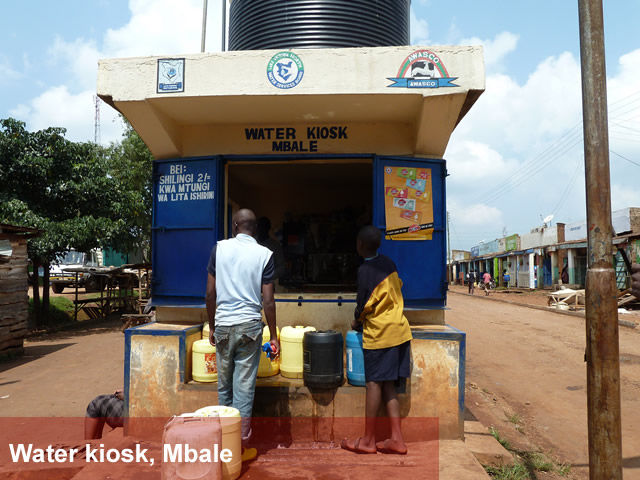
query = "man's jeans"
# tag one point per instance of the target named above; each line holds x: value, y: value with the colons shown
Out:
x: 238, y: 356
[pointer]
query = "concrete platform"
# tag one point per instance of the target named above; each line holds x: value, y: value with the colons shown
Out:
x: 484, y: 446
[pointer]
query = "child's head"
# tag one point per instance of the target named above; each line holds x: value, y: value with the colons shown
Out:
x: 368, y: 241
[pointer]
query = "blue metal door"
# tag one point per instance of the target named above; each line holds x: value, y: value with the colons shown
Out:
x: 186, y: 224
x: 421, y: 263
x: 546, y: 263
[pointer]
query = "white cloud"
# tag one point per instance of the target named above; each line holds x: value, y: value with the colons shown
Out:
x: 80, y: 58
x: 155, y: 27
x: 471, y: 161
x: 419, y: 29
x: 477, y: 216
x: 495, y: 50
x: 75, y: 112
x: 623, y: 197
x: 517, y: 155
x: 521, y: 118
x: 8, y: 73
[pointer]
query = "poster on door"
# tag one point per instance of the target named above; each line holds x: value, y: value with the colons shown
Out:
x: 408, y: 202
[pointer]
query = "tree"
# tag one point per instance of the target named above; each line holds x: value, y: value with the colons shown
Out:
x: 81, y: 195
x: 131, y: 165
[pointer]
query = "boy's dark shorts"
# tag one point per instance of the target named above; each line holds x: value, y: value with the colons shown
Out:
x: 388, y: 364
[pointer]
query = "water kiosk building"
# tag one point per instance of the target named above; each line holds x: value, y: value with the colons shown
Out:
x: 320, y: 141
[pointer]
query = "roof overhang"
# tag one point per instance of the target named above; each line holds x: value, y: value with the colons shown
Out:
x: 229, y: 92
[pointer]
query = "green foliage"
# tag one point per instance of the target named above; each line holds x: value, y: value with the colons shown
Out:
x: 503, y: 441
x: 60, y: 310
x: 131, y: 165
x: 526, y: 463
x: 81, y: 195
x: 539, y: 462
x: 517, y: 471
x: 514, y: 418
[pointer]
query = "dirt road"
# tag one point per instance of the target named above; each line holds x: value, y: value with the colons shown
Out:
x: 526, y: 375
x: 59, y: 374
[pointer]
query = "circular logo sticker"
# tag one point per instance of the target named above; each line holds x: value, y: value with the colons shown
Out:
x: 388, y: 170
x: 285, y: 70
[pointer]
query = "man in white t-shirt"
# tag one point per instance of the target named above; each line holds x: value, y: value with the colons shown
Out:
x: 240, y: 282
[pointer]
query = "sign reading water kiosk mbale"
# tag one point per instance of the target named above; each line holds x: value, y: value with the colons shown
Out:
x: 290, y: 139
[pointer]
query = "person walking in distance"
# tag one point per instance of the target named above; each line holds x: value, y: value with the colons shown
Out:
x: 240, y: 282
x: 486, y: 278
x: 472, y: 282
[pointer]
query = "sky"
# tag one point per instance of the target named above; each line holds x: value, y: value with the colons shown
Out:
x: 516, y: 158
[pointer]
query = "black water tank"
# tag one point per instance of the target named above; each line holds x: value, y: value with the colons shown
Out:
x: 322, y: 361
x: 284, y: 24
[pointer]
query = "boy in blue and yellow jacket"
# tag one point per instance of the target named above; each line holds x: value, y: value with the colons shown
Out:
x: 386, y: 341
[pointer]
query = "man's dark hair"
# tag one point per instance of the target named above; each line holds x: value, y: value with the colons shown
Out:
x: 370, y: 237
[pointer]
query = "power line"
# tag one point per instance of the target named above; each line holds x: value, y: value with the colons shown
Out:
x: 569, y: 186
x: 531, y: 168
x: 624, y: 158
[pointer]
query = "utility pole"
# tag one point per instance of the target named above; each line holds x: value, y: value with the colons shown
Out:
x: 96, y: 119
x: 449, y: 267
x: 224, y: 25
x: 602, y: 354
x: 204, y: 25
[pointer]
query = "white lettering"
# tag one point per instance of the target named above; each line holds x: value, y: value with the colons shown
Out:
x: 174, y: 456
x: 141, y: 455
x: 91, y: 453
x: 180, y: 453
x: 20, y: 451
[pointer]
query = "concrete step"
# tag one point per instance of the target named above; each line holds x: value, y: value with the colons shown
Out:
x: 484, y: 446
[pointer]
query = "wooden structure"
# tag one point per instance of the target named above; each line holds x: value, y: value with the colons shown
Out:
x: 124, y: 290
x: 14, y: 286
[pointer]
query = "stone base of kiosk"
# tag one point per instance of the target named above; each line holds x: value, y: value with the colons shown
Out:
x: 158, y: 384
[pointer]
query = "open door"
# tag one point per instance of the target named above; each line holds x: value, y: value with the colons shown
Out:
x: 409, y: 206
x: 186, y: 224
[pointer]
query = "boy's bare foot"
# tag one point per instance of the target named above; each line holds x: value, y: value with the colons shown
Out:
x: 393, y: 447
x: 358, y: 446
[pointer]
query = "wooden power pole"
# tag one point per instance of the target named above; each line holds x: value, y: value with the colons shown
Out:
x: 602, y: 355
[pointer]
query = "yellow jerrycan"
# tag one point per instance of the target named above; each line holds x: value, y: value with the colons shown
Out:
x: 231, y: 424
x: 204, y: 367
x: 291, y: 360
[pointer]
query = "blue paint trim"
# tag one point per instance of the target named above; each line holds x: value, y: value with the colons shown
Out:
x: 182, y: 352
x: 163, y: 333
x: 456, y: 330
x: 286, y: 300
x: 127, y: 372
x: 456, y: 336
x: 415, y: 309
x: 462, y: 373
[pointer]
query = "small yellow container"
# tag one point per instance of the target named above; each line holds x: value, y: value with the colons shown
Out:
x: 291, y: 356
x: 204, y: 367
x: 268, y: 367
x: 231, y: 424
x: 205, y: 331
